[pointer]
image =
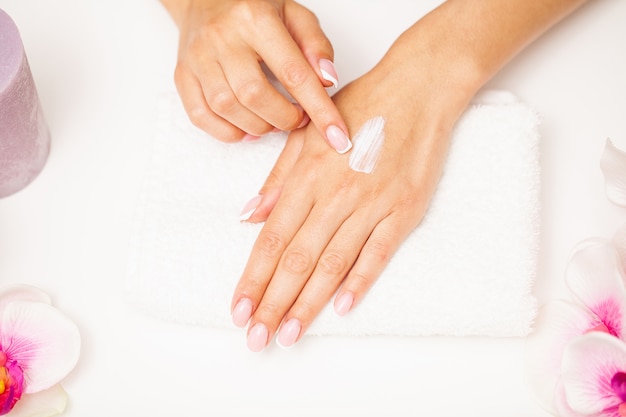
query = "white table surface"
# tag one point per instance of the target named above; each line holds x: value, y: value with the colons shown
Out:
x: 99, y: 65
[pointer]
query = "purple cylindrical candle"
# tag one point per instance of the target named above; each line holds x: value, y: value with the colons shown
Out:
x: 24, y: 135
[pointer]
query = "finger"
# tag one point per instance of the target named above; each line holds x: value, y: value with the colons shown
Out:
x: 331, y: 269
x: 309, y: 36
x: 293, y: 270
x: 253, y: 91
x: 223, y: 101
x: 276, y: 234
x: 259, y: 208
x: 198, y: 111
x: 374, y: 257
x: 284, y: 58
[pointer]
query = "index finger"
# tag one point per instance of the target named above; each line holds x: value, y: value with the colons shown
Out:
x: 285, y: 59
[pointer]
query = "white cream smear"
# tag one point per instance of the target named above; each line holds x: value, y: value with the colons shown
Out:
x: 367, y: 145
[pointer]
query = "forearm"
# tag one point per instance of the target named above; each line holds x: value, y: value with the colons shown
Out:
x: 492, y: 32
x: 472, y: 39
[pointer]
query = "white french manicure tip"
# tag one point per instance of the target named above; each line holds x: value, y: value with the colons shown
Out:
x: 348, y: 147
x: 280, y: 345
x: 246, y: 216
x: 249, y: 208
x: 330, y: 78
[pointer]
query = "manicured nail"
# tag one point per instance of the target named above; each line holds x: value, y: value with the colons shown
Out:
x: 305, y: 117
x: 329, y: 73
x: 257, y: 337
x: 242, y: 312
x: 249, y: 208
x: 250, y: 138
x: 338, y: 139
x: 343, y: 304
x: 305, y: 121
x: 289, y: 332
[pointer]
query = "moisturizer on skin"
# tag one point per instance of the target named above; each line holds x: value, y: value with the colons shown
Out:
x: 367, y: 145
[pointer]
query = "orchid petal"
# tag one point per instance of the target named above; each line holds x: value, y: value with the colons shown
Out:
x: 43, y: 341
x: 589, y: 364
x: 563, y: 409
x: 619, y: 241
x: 22, y: 293
x: 595, y: 276
x: 46, y: 403
x: 613, y: 165
x: 556, y: 325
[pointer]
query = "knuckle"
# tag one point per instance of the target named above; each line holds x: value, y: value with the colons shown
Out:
x: 305, y: 309
x: 251, y: 92
x: 198, y: 116
x: 294, y: 75
x: 332, y: 263
x: 222, y: 101
x: 268, y: 309
x: 297, y: 261
x: 380, y: 250
x: 271, y: 244
x: 346, y: 185
x: 252, y: 284
x: 360, y: 282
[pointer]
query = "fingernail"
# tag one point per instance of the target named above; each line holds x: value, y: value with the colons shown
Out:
x: 305, y: 121
x: 242, y: 312
x: 329, y: 73
x: 249, y: 208
x: 257, y: 337
x: 338, y: 139
x: 289, y: 333
x: 343, y: 304
x: 305, y: 117
x: 250, y: 138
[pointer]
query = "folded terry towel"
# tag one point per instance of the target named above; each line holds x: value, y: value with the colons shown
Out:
x: 467, y: 269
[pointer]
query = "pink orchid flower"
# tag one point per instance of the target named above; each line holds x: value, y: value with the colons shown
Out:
x: 596, y: 279
x: 593, y: 379
x: 39, y: 346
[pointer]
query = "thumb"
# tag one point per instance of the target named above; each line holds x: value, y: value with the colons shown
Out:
x: 270, y: 192
x: 306, y: 31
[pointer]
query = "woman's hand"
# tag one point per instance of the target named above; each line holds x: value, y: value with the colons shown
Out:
x: 222, y: 84
x: 333, y: 230
x: 331, y: 226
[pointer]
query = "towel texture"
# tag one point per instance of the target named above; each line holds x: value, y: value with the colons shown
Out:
x: 468, y: 269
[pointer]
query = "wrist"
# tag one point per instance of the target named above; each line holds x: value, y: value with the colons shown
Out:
x: 431, y: 75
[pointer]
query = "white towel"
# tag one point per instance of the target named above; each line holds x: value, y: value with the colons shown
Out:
x: 467, y: 269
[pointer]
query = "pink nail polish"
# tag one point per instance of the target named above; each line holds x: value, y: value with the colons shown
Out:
x: 242, y: 312
x: 343, y: 304
x: 305, y: 121
x: 329, y: 73
x: 257, y: 337
x: 289, y: 332
x: 338, y: 139
x: 305, y: 118
x: 249, y: 208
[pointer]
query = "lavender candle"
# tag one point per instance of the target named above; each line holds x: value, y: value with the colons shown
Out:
x: 24, y: 136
